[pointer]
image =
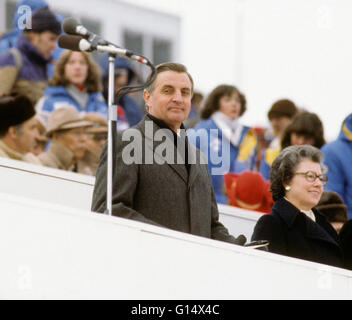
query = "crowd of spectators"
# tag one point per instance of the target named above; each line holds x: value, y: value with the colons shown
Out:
x: 53, y: 112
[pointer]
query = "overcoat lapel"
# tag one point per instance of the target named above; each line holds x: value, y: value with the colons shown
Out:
x: 193, y: 153
x: 180, y: 169
x: 316, y: 231
x: 289, y: 214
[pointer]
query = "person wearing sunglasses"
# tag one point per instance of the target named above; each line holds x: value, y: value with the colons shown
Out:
x: 295, y: 227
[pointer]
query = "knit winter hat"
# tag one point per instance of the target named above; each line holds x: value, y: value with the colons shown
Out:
x: 248, y: 190
x: 333, y: 207
x: 44, y: 20
x: 14, y: 110
x: 282, y: 108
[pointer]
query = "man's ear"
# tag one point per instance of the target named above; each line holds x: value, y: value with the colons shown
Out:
x: 12, y: 132
x: 146, y: 96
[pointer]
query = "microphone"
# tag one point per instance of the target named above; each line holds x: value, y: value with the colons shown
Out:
x: 78, y: 43
x: 73, y: 27
x: 74, y: 43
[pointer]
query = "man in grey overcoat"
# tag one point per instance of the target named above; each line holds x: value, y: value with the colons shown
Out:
x: 159, y: 178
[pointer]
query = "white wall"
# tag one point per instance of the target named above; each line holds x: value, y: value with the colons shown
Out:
x: 54, y: 252
x: 271, y: 49
x: 76, y: 190
x: 300, y: 50
x: 117, y: 16
x: 210, y: 37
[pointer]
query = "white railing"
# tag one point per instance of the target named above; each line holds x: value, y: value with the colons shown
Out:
x: 50, y: 251
x: 75, y: 190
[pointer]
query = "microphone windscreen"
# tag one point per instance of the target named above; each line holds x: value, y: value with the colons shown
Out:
x: 69, y: 25
x: 69, y: 42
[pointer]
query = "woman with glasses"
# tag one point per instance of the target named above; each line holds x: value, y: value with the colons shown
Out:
x: 294, y: 227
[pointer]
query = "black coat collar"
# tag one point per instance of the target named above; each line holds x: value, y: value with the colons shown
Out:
x: 286, y: 210
x: 321, y: 230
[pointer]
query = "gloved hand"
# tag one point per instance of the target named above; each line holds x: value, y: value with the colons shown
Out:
x: 240, y: 240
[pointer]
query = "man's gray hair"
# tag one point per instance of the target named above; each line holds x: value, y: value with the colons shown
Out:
x: 168, y: 66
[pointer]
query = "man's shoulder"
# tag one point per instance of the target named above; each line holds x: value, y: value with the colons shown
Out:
x: 124, y: 137
x: 3, y: 154
x: 48, y: 159
x: 7, y: 59
x: 31, y: 158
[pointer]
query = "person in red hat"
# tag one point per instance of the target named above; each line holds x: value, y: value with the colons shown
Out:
x: 248, y: 190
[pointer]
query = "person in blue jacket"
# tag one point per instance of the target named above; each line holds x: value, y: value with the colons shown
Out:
x: 23, y: 69
x: 227, y: 145
x: 124, y: 75
x: 10, y: 38
x: 338, y: 159
x: 76, y: 82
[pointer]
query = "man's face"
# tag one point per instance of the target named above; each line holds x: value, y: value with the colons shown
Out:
x: 95, y: 142
x: 44, y: 42
x: 27, y: 135
x: 170, y: 100
x: 75, y: 140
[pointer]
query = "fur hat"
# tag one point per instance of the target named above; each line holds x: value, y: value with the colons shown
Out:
x: 282, y: 108
x: 65, y: 118
x: 332, y: 206
x: 14, y: 110
x: 44, y: 20
x: 248, y: 190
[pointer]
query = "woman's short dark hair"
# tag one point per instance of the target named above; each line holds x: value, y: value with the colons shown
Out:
x: 286, y: 163
x: 211, y: 104
x: 307, y: 124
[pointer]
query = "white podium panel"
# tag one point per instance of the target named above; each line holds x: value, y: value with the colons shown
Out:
x: 55, y: 252
x: 75, y: 190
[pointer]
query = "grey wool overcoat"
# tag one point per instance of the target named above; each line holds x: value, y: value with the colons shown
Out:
x: 163, y: 194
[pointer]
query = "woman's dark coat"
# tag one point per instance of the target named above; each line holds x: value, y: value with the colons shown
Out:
x: 291, y: 233
x: 345, y: 239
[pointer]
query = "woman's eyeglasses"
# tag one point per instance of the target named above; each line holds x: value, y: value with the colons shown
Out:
x: 311, y: 176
